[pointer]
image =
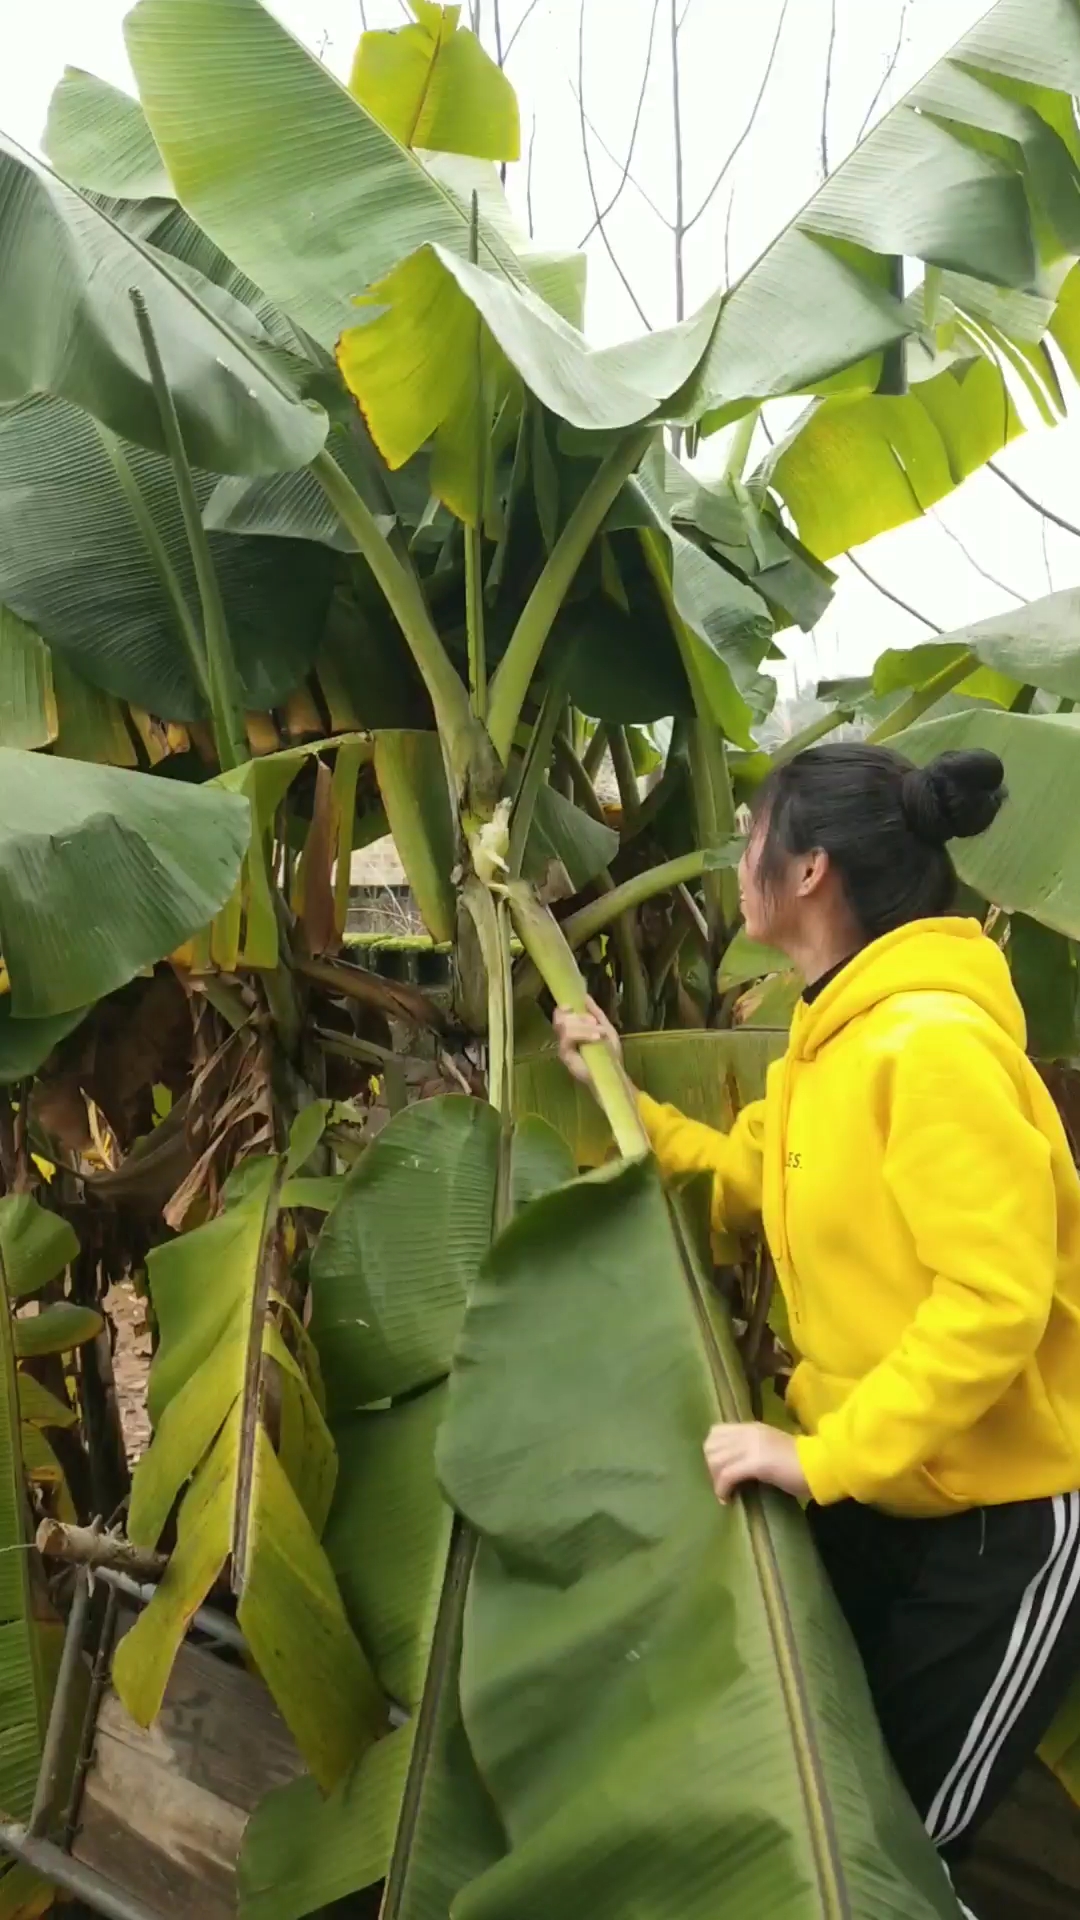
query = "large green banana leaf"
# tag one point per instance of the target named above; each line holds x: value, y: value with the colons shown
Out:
x: 291, y: 177
x: 1027, y: 862
x: 1036, y: 645
x: 660, y: 1694
x: 222, y: 1358
x: 75, y: 565
x: 74, y: 841
x: 69, y: 329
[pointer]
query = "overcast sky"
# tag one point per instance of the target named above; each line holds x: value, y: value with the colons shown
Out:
x: 724, y: 52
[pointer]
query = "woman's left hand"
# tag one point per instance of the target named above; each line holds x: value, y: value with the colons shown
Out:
x: 748, y: 1451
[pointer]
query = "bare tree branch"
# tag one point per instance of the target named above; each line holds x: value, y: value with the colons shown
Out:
x: 625, y: 175
x: 894, y: 597
x: 498, y: 34
x: 893, y: 63
x: 523, y: 22
x: 676, y: 135
x: 748, y: 128
x: 529, y: 181
x: 826, y: 98
x: 612, y: 255
x: 631, y: 179
x: 682, y: 16
x: 1037, y: 506
x: 363, y: 17
x: 972, y: 562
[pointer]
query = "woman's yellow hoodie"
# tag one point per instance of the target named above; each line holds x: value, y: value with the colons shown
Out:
x: 923, y: 1211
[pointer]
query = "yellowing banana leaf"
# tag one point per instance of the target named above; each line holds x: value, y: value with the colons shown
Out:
x: 411, y: 773
x: 245, y: 932
x: 620, y: 1621
x: 433, y: 86
x: 211, y: 1451
x: 24, y: 1688
x: 916, y: 667
x: 856, y: 465
x: 27, y: 702
x: 705, y: 1074
x: 75, y: 839
x: 1027, y: 862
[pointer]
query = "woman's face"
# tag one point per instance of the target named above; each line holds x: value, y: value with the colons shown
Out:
x: 759, y: 904
x: 774, y: 914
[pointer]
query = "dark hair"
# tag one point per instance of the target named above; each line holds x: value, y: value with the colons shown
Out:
x: 883, y: 823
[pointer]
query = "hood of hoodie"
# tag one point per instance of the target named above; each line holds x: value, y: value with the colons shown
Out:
x: 926, y: 956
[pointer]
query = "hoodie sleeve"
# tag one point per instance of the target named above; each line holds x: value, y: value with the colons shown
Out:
x: 971, y: 1175
x: 734, y: 1159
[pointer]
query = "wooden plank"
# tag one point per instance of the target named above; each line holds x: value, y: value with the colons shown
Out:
x: 164, y: 1808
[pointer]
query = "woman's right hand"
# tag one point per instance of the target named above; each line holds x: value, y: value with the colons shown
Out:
x: 576, y: 1030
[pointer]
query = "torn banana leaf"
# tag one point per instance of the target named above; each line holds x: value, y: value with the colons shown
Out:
x: 220, y: 1361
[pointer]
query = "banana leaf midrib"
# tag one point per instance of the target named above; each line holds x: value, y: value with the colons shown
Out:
x: 811, y: 1773
x: 253, y: 1385
x: 440, y: 1672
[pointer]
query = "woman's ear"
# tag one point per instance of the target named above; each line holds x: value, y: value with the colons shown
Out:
x: 812, y: 871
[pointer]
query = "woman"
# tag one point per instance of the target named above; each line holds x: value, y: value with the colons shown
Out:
x: 923, y: 1212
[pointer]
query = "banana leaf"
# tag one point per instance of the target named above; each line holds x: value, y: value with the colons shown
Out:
x: 433, y: 86
x: 35, y: 1246
x: 401, y: 1564
x: 704, y: 1074
x: 69, y: 330
x: 221, y: 1355
x: 74, y: 840
x: 1027, y: 862
x: 660, y: 1694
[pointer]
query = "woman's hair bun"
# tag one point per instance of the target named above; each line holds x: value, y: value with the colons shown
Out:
x: 954, y: 798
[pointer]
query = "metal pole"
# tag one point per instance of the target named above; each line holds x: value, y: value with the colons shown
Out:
x: 217, y: 1626
x: 52, y: 1749
x: 53, y: 1864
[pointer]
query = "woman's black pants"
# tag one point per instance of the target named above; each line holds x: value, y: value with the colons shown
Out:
x: 969, y: 1630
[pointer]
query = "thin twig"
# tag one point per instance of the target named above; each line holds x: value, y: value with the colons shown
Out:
x: 497, y: 18
x: 525, y: 18
x: 750, y: 124
x: 363, y: 17
x: 894, y: 597
x: 682, y: 16
x: 890, y: 69
x: 612, y: 255
x: 826, y: 98
x: 625, y: 174
x: 1029, y: 501
x: 631, y: 179
x: 676, y: 135
x: 971, y: 560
